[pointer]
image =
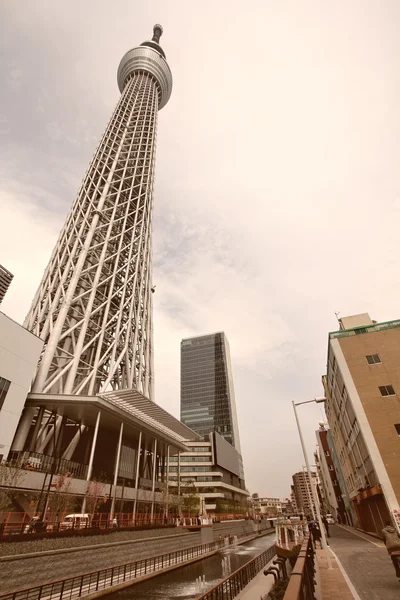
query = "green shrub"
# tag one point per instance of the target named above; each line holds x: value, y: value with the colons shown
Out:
x: 278, y: 589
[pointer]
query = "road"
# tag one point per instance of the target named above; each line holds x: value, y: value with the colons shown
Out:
x: 366, y: 562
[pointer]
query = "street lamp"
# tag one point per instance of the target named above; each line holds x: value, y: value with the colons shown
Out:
x: 318, y: 400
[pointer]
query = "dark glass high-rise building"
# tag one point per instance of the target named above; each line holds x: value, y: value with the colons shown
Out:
x: 207, y: 393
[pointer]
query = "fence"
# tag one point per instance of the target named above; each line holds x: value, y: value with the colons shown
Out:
x: 301, y: 584
x: 33, y: 461
x: 13, y: 523
x: 76, y: 587
x: 230, y: 587
x: 18, y: 523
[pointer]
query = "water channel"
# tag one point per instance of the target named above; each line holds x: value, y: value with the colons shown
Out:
x: 194, y: 580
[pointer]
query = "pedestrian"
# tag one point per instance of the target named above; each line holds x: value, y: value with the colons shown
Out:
x: 2, y: 527
x: 315, y: 533
x: 326, y: 525
x: 392, y: 542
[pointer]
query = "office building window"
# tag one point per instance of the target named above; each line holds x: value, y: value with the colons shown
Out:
x: 397, y: 426
x: 4, y: 385
x: 373, y: 359
x: 387, y: 390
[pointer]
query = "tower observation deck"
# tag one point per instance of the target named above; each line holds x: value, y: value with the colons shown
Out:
x: 93, y: 308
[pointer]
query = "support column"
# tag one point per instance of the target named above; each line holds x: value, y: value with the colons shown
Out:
x: 153, y: 485
x: 23, y: 429
x: 121, y: 431
x: 286, y: 535
x: 179, y: 474
x: 36, y: 430
x: 70, y: 449
x: 167, y: 484
x: 91, y: 458
x: 137, y: 476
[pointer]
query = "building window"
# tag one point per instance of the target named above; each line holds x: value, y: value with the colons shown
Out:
x: 397, y: 426
x: 387, y: 390
x: 373, y: 359
x: 4, y: 385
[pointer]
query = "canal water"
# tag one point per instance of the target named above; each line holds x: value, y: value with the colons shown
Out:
x: 193, y: 580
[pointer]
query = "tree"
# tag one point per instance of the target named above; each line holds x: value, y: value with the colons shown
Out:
x: 61, y: 500
x: 11, y: 477
x: 190, y: 498
x: 95, y: 493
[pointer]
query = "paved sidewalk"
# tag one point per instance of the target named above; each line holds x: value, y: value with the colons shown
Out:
x: 366, y: 563
x: 332, y: 583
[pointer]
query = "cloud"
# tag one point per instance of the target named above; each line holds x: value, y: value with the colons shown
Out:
x: 277, y: 184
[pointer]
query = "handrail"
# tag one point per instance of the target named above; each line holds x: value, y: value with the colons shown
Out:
x: 82, y: 585
x: 301, y: 584
x: 230, y: 587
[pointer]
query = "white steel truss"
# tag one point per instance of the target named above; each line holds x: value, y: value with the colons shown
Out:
x: 93, y: 307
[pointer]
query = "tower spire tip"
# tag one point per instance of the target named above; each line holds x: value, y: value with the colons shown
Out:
x: 157, y: 33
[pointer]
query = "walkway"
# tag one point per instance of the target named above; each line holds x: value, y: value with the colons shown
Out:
x: 366, y: 564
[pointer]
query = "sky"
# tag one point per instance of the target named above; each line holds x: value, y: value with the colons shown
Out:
x: 277, y: 181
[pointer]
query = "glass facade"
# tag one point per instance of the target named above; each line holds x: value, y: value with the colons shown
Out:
x: 207, y: 394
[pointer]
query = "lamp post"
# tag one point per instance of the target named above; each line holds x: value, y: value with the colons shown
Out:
x: 316, y: 504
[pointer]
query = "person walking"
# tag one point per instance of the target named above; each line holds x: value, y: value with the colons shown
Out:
x: 326, y: 525
x: 392, y: 542
x: 315, y: 532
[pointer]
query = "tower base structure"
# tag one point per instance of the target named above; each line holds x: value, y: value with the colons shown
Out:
x: 103, y: 455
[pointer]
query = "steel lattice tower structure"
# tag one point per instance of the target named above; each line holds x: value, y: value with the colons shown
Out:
x: 93, y: 307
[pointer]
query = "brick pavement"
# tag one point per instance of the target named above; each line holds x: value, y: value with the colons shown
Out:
x: 366, y: 563
x: 333, y: 585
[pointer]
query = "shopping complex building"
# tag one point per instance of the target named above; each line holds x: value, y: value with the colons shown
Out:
x: 212, y: 470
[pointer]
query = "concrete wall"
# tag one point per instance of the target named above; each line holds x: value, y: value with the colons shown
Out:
x: 19, y: 355
x: 60, y: 563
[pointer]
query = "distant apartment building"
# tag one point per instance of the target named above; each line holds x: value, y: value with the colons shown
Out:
x: 293, y: 501
x: 207, y: 392
x: 273, y: 507
x: 302, y: 491
x: 214, y: 470
x: 329, y: 479
x: 362, y: 387
x: 5, y: 280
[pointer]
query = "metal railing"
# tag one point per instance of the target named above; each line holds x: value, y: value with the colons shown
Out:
x: 13, y: 523
x: 230, y: 587
x: 16, y: 523
x: 33, y: 461
x: 301, y: 584
x: 76, y: 587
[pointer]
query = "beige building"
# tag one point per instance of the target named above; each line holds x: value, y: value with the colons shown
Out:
x: 302, y: 491
x: 363, y: 411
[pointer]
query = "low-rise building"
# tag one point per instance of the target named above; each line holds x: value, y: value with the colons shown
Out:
x: 362, y: 387
x: 19, y: 353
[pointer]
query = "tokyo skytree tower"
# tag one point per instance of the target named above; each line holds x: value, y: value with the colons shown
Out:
x: 93, y: 307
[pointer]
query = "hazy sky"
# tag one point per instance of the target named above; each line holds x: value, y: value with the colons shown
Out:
x: 277, y: 196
